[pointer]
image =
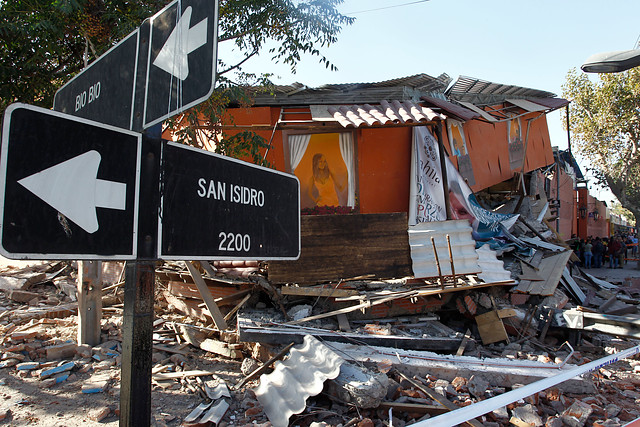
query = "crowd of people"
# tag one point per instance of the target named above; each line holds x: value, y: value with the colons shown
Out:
x: 598, y: 252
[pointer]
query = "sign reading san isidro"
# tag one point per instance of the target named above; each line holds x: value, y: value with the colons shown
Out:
x: 214, y: 207
x: 70, y: 189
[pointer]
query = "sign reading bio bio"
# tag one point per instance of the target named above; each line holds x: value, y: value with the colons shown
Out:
x: 165, y: 66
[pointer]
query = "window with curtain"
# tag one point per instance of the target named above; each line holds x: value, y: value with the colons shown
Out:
x: 324, y: 164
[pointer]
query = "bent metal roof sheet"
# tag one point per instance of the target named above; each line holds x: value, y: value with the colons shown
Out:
x: 387, y: 112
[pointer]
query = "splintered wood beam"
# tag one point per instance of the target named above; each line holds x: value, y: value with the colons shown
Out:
x: 218, y: 318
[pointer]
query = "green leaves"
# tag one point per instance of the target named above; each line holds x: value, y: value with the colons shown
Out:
x: 605, y: 127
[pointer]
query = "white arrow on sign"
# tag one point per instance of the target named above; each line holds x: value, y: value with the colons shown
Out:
x: 73, y: 189
x: 181, y: 42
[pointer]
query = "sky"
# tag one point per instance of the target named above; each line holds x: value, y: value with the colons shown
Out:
x: 525, y: 43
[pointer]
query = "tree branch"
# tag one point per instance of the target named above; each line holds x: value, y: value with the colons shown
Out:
x: 239, y: 64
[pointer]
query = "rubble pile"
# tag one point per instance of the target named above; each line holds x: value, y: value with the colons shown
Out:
x: 402, y: 350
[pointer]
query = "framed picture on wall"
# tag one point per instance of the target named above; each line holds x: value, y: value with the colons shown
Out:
x: 324, y: 163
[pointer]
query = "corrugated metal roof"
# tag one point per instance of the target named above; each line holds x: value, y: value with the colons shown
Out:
x: 284, y: 391
x: 393, y: 112
x: 551, y: 103
x: 476, y: 91
x: 479, y: 110
x: 492, y: 268
x: 405, y: 88
x: 462, y: 113
x: 463, y: 248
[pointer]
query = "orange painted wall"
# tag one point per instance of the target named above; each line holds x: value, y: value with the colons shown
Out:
x: 488, y: 150
x: 384, y: 155
x: 589, y: 226
x: 568, y: 210
x: 384, y: 168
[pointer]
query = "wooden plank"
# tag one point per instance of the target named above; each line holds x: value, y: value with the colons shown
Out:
x: 218, y: 318
x: 573, y: 286
x: 183, y: 374
x: 463, y: 344
x: 223, y: 294
x: 414, y: 408
x: 221, y: 348
x: 335, y: 247
x: 89, y: 302
x: 264, y: 367
x: 491, y: 328
x: 343, y: 322
x: 551, y: 269
x: 237, y: 307
x: 529, y: 273
x: 249, y: 331
x: 438, y: 398
x: 317, y: 292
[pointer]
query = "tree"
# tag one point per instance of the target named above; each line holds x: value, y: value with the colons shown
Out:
x: 44, y: 43
x: 617, y: 209
x: 605, y: 126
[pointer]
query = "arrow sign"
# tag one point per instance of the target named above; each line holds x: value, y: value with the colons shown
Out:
x: 182, y: 59
x: 69, y: 188
x: 73, y: 189
x: 182, y: 41
x: 164, y: 67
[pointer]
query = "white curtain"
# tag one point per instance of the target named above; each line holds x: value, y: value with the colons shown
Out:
x: 297, y: 147
x: 347, y: 151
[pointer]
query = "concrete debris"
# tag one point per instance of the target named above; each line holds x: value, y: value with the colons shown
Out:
x: 359, y: 386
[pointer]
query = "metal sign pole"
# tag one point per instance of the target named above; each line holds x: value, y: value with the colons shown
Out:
x: 139, y: 290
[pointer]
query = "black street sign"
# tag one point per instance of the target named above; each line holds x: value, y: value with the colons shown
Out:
x: 104, y: 91
x: 75, y: 189
x: 182, y: 58
x: 215, y: 207
x: 69, y: 187
x: 161, y: 69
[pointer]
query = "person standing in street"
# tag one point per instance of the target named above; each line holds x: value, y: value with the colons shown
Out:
x: 614, y: 248
x: 588, y: 254
x: 598, y: 251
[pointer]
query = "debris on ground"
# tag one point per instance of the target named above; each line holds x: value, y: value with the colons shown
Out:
x: 365, y: 351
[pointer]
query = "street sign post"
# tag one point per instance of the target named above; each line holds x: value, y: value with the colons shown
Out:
x: 70, y: 187
x: 161, y: 69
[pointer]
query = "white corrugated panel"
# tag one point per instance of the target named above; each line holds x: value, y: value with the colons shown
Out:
x: 532, y: 107
x: 393, y: 112
x: 463, y: 248
x: 492, y: 268
x: 284, y: 391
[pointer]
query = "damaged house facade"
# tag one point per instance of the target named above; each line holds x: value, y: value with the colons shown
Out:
x: 363, y: 138
x: 428, y: 208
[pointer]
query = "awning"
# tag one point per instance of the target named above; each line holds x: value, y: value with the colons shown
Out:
x: 552, y: 103
x: 386, y: 113
x: 529, y: 106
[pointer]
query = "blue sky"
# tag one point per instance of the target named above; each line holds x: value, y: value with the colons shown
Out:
x: 526, y: 43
